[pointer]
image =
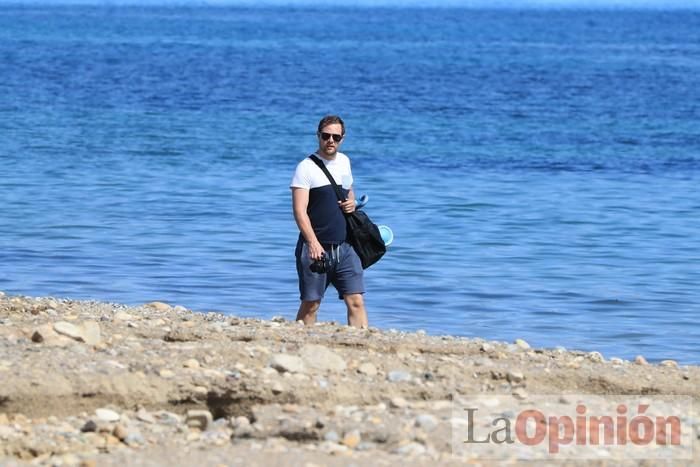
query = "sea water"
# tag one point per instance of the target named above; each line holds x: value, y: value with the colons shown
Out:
x: 539, y: 168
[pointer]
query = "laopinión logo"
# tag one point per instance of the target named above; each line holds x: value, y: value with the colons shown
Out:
x: 579, y: 426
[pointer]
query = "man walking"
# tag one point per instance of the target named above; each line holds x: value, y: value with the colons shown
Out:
x: 323, y: 256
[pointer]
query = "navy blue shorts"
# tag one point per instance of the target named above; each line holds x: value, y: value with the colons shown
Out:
x: 346, y: 272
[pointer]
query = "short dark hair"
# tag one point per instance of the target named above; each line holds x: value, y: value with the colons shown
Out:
x: 330, y: 120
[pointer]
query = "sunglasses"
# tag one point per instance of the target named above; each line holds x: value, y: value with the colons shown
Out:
x: 336, y: 138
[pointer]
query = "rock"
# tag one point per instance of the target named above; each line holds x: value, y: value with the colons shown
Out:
x: 191, y: 363
x: 486, y: 347
x: 159, y: 306
x: 398, y: 402
x: 331, y: 436
x: 120, y: 432
x: 426, y: 421
x: 640, y: 360
x: 515, y: 376
x: 123, y: 316
x: 397, y: 376
x: 89, y: 427
x: 410, y: 449
x: 321, y: 358
x: 522, y: 344
x: 144, y: 416
x: 617, y: 361
x: 198, y: 419
x: 287, y: 363
x: 43, y: 333
x: 165, y: 373
x: 368, y: 369
x: 596, y: 357
x: 69, y: 330
x: 91, y: 332
x: 520, y: 394
x: 107, y: 415
x: 669, y: 363
x: 351, y: 439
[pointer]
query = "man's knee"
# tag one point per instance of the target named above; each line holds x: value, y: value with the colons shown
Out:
x: 354, y: 300
x: 310, y: 306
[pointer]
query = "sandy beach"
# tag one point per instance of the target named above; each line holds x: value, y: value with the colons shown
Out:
x: 90, y: 383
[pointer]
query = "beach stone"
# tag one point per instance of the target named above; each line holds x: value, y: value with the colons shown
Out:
x: 522, y: 344
x: 68, y: 330
x: 120, y: 432
x: 91, y: 332
x: 43, y: 333
x: 426, y: 421
x: 520, y: 394
x: 398, y: 402
x: 669, y: 363
x: 199, y: 419
x: 352, y: 439
x: 287, y: 363
x: 397, y: 376
x: 123, y: 316
x: 89, y: 427
x: 486, y: 347
x: 107, y: 415
x: 191, y: 363
x: 515, y: 376
x: 410, y: 449
x: 617, y: 361
x: 596, y: 357
x: 368, y: 369
x: 320, y: 357
x: 165, y: 373
x: 331, y: 436
x: 159, y: 306
x: 640, y: 360
x: 145, y: 416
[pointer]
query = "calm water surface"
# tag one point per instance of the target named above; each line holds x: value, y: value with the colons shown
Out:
x: 539, y: 168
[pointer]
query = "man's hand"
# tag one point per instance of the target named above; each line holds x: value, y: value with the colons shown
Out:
x: 347, y: 206
x: 315, y: 250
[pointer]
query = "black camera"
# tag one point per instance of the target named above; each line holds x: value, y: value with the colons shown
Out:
x: 321, y: 266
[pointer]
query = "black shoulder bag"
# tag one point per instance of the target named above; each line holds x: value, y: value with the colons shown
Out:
x: 363, y: 234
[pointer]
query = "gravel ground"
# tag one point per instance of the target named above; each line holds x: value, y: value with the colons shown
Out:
x: 90, y: 383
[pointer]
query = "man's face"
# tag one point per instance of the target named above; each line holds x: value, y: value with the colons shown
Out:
x: 327, y: 144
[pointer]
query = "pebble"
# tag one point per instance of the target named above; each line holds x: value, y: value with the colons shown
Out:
x: 410, y: 449
x: 522, y: 344
x: 199, y: 419
x: 596, y: 357
x: 107, y: 415
x: 321, y: 358
x: 331, y: 436
x: 397, y: 376
x: 68, y: 330
x: 640, y: 360
x: 159, y: 306
x: 669, y: 363
x: 191, y: 363
x: 91, y: 333
x: 520, y: 394
x: 398, y: 402
x: 352, y: 439
x: 515, y: 376
x: 426, y: 421
x: 287, y: 363
x: 368, y: 369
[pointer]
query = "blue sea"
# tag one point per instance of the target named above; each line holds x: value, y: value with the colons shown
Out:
x: 539, y: 168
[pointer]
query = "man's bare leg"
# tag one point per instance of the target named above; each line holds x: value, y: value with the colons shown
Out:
x: 307, y: 312
x: 357, y: 315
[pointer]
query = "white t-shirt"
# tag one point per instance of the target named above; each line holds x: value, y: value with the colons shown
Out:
x: 308, y: 175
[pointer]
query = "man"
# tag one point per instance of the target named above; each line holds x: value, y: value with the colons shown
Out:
x: 319, y: 216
